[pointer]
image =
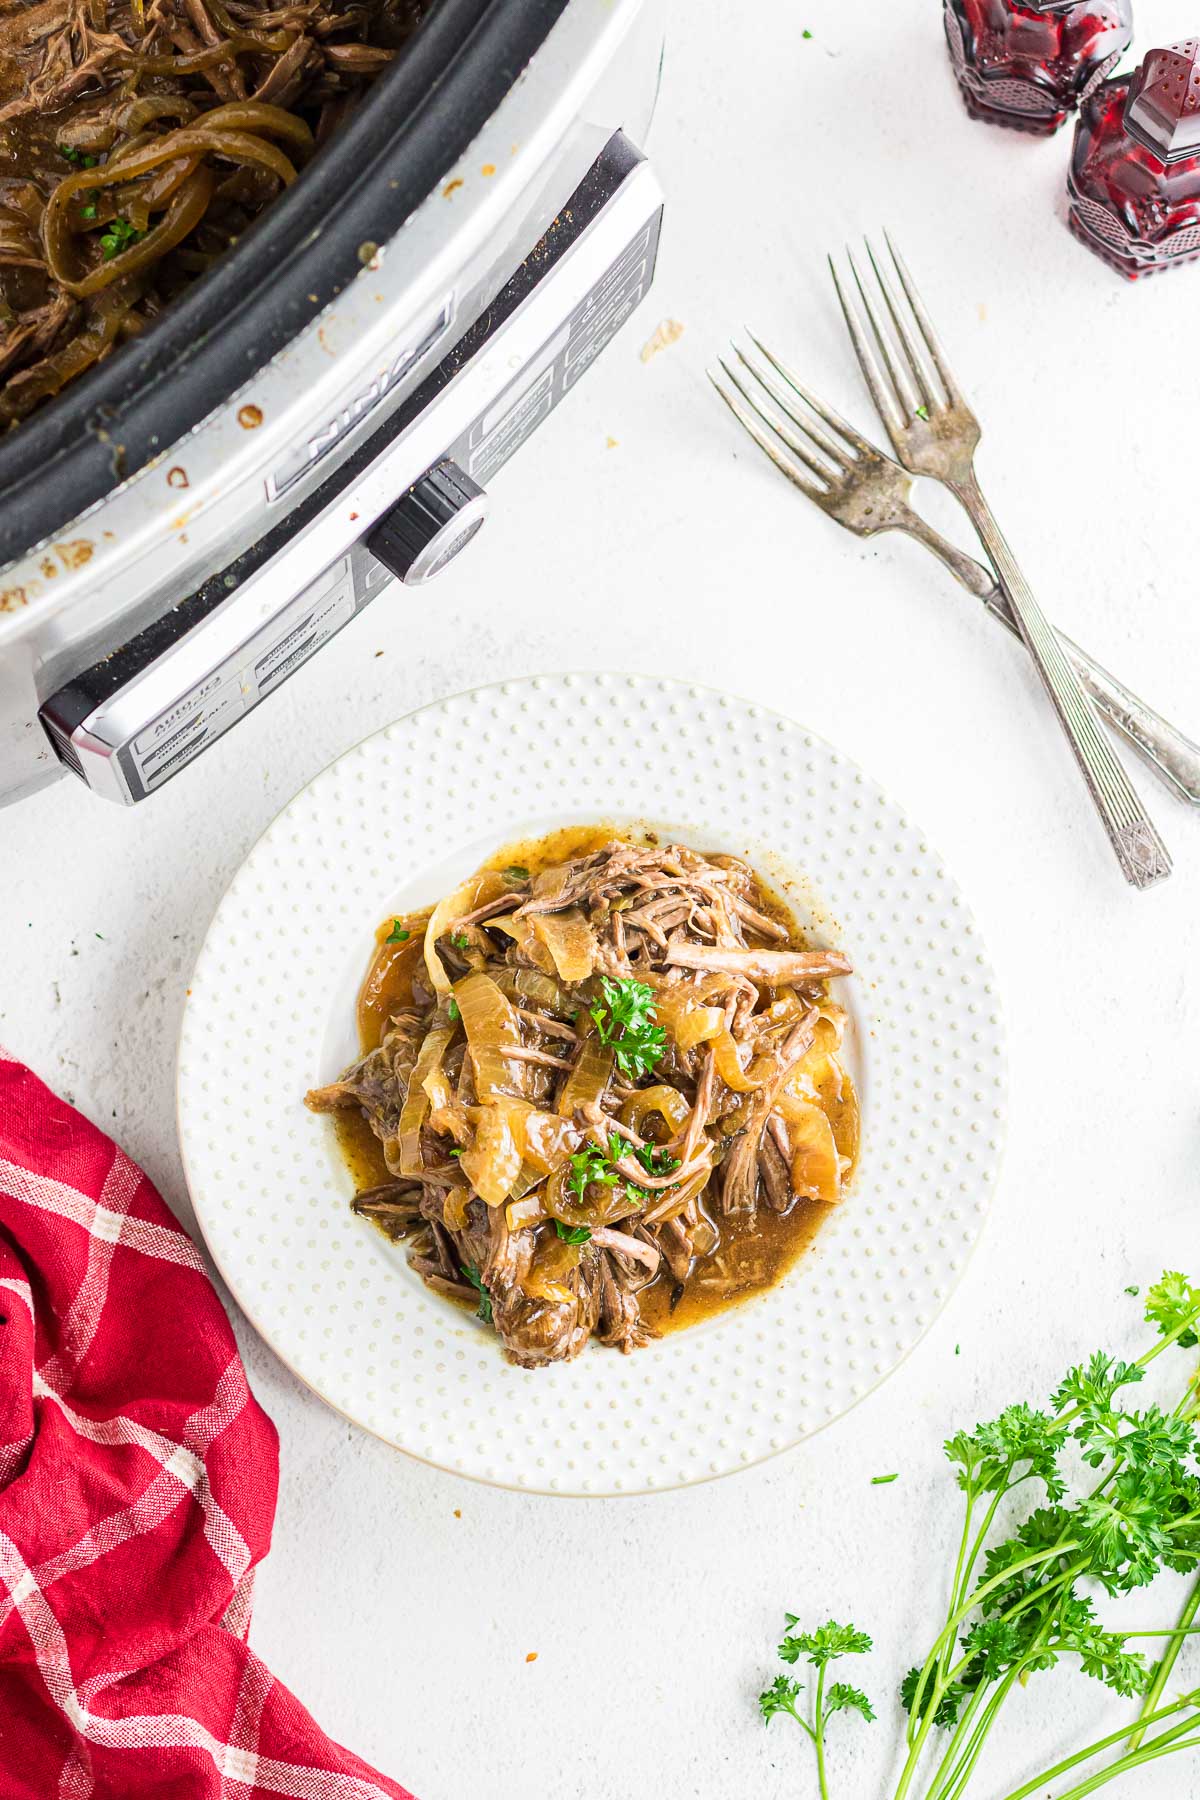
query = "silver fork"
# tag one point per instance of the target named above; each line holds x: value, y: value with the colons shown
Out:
x: 934, y: 432
x: 864, y: 490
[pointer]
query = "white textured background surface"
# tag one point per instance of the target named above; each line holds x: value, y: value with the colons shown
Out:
x: 403, y: 1625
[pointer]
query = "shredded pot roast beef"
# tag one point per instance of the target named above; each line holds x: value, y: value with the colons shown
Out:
x: 138, y: 139
x: 602, y: 1068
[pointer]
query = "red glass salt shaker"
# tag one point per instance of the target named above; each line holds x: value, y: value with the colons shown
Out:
x: 1025, y: 63
x: 1134, y: 182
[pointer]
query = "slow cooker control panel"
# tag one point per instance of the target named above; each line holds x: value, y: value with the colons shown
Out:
x: 130, y: 723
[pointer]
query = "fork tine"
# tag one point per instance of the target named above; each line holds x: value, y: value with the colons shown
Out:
x: 834, y: 420
x: 810, y: 430
x: 882, y: 394
x: 925, y: 323
x: 764, y: 443
x: 901, y: 376
x: 904, y: 332
x: 795, y: 444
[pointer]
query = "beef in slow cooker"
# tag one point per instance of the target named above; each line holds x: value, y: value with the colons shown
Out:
x: 139, y: 139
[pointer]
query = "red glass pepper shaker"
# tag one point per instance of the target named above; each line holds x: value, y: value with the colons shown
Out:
x: 1134, y: 182
x: 1025, y: 63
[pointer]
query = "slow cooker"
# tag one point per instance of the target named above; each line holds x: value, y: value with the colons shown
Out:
x: 323, y: 412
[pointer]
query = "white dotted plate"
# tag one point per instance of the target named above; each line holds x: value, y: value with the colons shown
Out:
x: 394, y: 824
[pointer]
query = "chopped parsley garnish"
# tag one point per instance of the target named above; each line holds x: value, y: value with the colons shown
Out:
x: 572, y: 1234
x: 397, y: 935
x: 461, y: 941
x: 1135, y: 1291
x: 626, y: 1022
x: 88, y: 212
x: 588, y: 1165
x: 656, y: 1161
x: 456, y: 1151
x: 516, y: 873
x: 923, y: 413
x: 593, y: 1164
x: 485, y: 1299
x: 118, y: 235
x: 78, y: 157
x: 452, y: 1012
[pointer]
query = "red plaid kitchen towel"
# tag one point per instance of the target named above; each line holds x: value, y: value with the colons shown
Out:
x: 137, y: 1487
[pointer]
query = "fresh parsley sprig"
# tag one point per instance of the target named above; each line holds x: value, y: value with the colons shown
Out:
x: 825, y: 1645
x: 626, y: 1021
x: 1016, y: 1604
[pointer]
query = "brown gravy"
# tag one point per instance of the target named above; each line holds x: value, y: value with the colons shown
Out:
x: 753, y: 1255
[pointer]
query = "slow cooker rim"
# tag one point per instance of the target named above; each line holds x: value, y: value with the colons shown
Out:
x: 414, y: 125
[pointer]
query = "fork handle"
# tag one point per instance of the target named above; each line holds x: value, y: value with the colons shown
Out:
x: 1172, y: 756
x: 1139, y: 850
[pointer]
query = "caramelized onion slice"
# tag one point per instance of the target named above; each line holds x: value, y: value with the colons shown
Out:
x: 447, y: 1117
x: 506, y: 922
x: 527, y: 939
x: 686, y: 1016
x: 589, y: 1079
x: 137, y: 113
x: 699, y: 1025
x: 492, y: 1026
x: 531, y: 988
x: 816, y: 1166
x: 187, y: 206
x: 454, y: 1208
x: 667, y: 1101
x: 528, y: 1177
x: 729, y: 1068
x: 440, y: 919
x: 550, y: 1140
x: 526, y: 1211
x: 570, y: 940
x: 493, y: 1162
x: 259, y: 116
x: 548, y: 1278
x: 473, y: 893
x: 819, y: 1073
x: 268, y: 40
x: 416, y: 1103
